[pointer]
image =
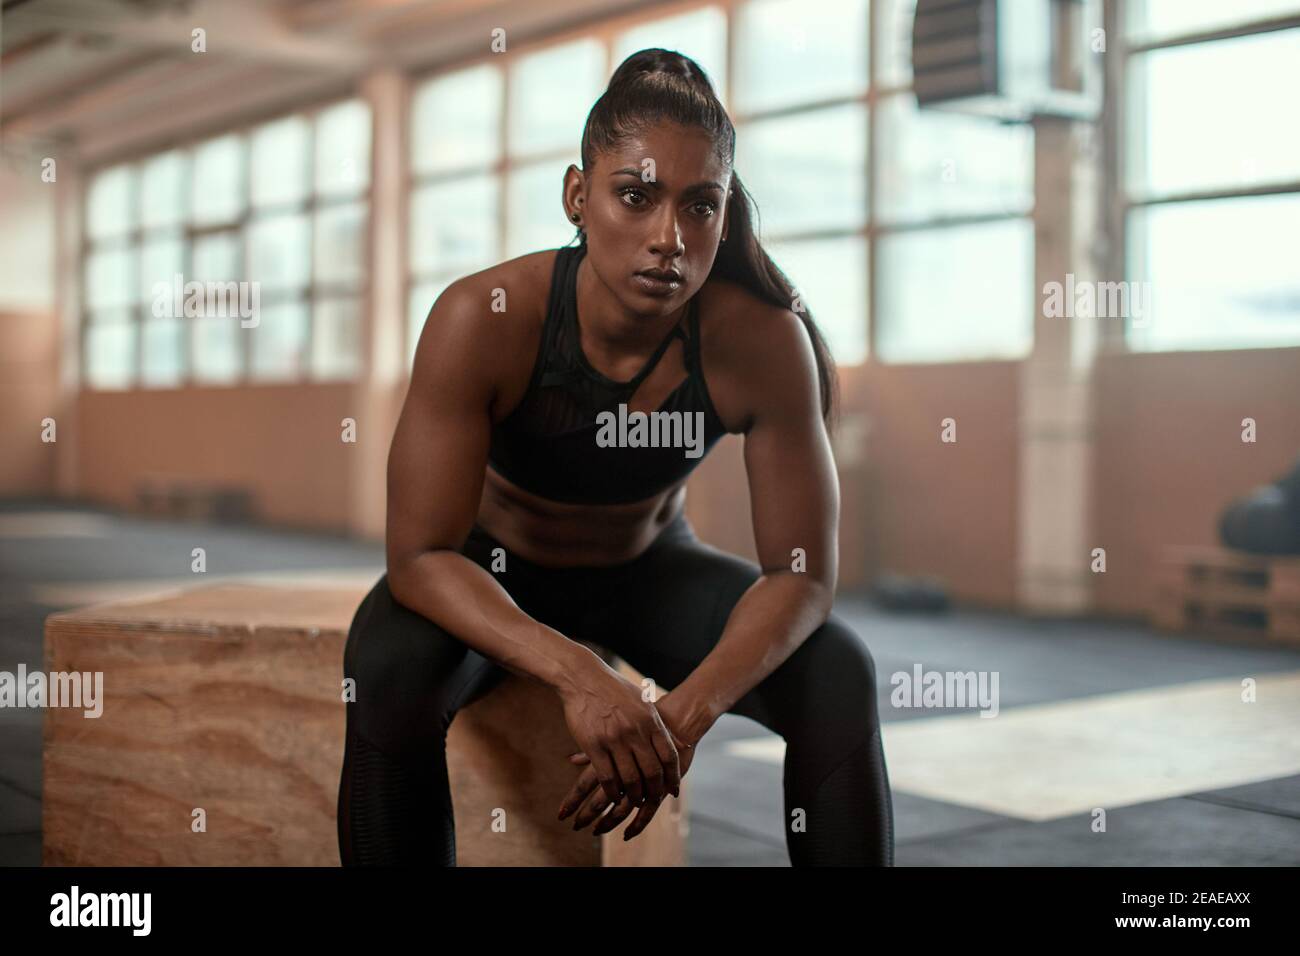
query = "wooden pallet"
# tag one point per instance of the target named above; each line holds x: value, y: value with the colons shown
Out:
x: 1229, y: 593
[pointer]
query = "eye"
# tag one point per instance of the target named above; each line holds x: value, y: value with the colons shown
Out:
x: 631, y: 189
x: 712, y: 207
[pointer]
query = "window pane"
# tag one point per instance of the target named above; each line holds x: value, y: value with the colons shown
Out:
x: 454, y: 224
x: 1211, y: 115
x: 1158, y: 19
x: 162, y: 190
x: 279, y: 252
x: 796, y: 181
x: 280, y: 343
x: 110, y: 277
x: 894, y: 45
x: 163, y: 348
x: 216, y: 257
x: 340, y: 231
x: 336, y: 340
x: 279, y: 161
x: 551, y: 93
x: 533, y: 202
x: 1222, y: 274
x: 110, y: 206
x: 217, y: 187
x: 793, y: 51
x: 215, y: 341
x: 110, y: 351
x: 700, y: 34
x: 932, y: 163
x: 830, y: 279
x: 343, y: 148
x: 456, y: 120
x: 161, y: 260
x: 960, y: 292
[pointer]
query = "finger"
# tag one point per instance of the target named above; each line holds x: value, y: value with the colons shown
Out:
x: 606, y: 772
x: 591, y: 809
x: 581, y: 789
x: 652, y: 771
x: 579, y: 759
x: 645, y: 813
x: 621, y: 811
x: 628, y: 773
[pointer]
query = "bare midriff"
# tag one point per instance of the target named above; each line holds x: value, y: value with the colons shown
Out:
x: 558, y: 534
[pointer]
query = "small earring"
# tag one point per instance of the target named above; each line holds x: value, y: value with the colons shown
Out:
x: 574, y: 217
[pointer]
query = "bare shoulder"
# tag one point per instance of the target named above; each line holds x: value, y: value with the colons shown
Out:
x: 487, y: 324
x: 740, y: 326
x: 507, y: 296
x: 750, y: 349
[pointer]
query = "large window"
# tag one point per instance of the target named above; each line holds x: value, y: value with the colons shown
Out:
x: 489, y: 147
x: 237, y: 258
x: 946, y: 209
x: 953, y: 199
x: 1211, y: 181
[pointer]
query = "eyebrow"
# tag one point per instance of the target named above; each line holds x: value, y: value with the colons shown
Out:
x: 704, y: 186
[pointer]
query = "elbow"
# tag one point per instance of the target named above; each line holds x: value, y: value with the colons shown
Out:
x: 402, y: 572
x: 819, y: 589
x: 407, y: 573
x: 396, y: 575
x: 822, y: 595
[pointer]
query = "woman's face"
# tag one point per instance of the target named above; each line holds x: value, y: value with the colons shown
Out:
x: 657, y: 202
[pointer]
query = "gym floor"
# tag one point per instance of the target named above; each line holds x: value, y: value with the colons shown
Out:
x: 1150, y: 728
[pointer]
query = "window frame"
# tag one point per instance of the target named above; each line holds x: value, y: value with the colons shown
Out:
x: 1118, y: 203
x: 135, y: 239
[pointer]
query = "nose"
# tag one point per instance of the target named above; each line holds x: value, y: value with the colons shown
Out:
x: 666, y: 240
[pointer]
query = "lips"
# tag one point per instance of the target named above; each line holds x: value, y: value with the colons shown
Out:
x: 663, y: 275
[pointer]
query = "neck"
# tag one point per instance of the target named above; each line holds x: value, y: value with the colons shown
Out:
x: 611, y: 327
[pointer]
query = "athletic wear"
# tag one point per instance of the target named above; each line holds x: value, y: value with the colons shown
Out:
x: 662, y: 613
x: 548, y: 444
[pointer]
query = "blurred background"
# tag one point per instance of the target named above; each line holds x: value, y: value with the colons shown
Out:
x: 1036, y: 492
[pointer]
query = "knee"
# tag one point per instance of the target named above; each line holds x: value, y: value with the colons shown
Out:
x: 835, y: 679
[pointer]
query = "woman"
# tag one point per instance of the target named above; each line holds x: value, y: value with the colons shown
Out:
x: 518, y: 445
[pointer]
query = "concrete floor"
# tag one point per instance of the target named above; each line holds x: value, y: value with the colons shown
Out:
x: 1094, y: 715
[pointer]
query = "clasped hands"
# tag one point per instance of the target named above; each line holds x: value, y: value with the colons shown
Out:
x: 589, y: 798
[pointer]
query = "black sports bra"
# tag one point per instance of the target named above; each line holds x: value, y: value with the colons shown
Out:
x: 568, y: 439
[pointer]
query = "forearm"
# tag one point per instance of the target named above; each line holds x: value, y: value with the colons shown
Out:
x: 466, y: 600
x: 772, y: 618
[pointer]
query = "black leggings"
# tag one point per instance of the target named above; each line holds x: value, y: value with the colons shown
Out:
x: 662, y: 613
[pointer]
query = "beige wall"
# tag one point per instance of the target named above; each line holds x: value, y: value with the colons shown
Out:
x: 28, y: 394
x: 283, y: 443
x: 1170, y: 454
x: 1168, y: 457
x: 913, y: 505
x: 945, y: 509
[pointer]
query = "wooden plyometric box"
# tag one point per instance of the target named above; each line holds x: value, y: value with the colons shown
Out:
x: 227, y: 699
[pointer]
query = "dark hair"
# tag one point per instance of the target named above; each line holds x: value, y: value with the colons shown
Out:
x: 655, y: 85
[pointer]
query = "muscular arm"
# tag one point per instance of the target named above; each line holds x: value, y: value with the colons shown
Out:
x: 435, y: 480
x: 795, y: 504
